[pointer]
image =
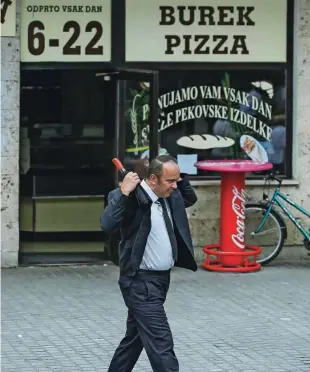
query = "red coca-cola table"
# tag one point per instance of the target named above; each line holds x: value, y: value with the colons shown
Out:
x: 231, y: 254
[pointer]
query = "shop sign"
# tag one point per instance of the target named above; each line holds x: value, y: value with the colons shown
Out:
x: 8, y: 17
x: 239, y: 107
x: 200, y: 31
x: 66, y: 31
x: 238, y: 123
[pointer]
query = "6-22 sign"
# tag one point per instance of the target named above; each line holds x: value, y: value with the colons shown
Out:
x: 37, y: 42
x: 67, y: 31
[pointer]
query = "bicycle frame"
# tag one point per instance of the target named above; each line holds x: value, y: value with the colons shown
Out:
x: 276, y: 200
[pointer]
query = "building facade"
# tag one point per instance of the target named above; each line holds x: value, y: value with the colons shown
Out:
x: 252, y: 70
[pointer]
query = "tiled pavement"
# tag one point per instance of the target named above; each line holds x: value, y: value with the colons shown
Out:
x: 71, y: 319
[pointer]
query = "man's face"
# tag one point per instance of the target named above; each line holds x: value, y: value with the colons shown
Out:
x: 164, y: 185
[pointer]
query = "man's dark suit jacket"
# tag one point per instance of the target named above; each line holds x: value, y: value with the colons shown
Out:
x: 133, y: 218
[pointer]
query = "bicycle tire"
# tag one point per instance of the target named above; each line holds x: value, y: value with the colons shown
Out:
x: 282, y: 231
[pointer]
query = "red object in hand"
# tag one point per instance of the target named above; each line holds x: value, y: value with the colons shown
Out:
x: 118, y: 165
x: 139, y: 193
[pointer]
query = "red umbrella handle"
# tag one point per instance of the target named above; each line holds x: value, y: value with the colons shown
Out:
x: 118, y: 165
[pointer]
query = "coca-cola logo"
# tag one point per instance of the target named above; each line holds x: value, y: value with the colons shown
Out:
x: 238, y: 207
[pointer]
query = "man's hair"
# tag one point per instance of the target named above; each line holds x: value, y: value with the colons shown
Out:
x: 157, y: 164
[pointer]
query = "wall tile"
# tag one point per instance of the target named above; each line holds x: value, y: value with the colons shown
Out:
x: 10, y: 142
x: 9, y: 164
x: 10, y: 49
x: 10, y: 94
x: 10, y: 71
x: 9, y: 258
x: 9, y: 118
x: 9, y: 190
x: 10, y: 213
x: 10, y: 237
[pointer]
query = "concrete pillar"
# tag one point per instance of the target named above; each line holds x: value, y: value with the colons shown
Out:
x: 10, y: 85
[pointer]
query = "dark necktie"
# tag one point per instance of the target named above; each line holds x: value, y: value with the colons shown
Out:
x: 170, y: 230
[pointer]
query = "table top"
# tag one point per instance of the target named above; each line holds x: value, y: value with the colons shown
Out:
x: 233, y: 165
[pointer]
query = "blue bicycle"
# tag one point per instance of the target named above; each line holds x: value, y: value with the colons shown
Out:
x: 266, y: 228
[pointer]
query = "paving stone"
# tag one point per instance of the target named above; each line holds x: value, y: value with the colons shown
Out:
x: 72, y: 318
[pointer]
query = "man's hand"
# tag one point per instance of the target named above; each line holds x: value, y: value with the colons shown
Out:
x: 130, y: 182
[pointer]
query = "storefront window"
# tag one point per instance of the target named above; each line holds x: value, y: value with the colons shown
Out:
x: 235, y: 114
x: 205, y: 115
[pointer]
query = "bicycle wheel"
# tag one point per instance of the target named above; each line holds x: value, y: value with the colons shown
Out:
x: 272, y: 235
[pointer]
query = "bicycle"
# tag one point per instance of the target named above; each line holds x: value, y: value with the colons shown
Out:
x: 259, y: 216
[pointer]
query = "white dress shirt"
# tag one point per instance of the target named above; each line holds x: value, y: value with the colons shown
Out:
x: 158, y: 253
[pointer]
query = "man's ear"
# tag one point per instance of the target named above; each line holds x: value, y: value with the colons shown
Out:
x: 152, y: 178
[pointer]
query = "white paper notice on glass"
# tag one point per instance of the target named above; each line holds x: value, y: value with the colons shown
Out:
x: 186, y: 163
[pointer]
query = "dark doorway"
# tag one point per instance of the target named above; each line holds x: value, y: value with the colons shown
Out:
x: 67, y: 142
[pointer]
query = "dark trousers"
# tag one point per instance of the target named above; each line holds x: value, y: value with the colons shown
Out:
x: 147, y: 324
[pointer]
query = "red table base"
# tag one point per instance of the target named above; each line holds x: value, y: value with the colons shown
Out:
x: 232, y: 254
x: 245, y: 265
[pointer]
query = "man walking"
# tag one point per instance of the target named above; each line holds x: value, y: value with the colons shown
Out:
x: 155, y: 236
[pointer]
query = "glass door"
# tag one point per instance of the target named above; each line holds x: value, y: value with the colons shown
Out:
x: 135, y: 125
x: 136, y: 118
